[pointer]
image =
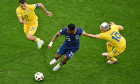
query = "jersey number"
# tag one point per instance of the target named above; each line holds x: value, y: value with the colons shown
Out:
x: 71, y: 54
x: 117, y: 37
x: 25, y: 16
x: 32, y: 29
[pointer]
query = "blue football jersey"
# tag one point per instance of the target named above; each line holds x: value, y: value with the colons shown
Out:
x: 71, y: 40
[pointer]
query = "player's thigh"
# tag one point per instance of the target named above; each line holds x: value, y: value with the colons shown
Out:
x: 33, y: 28
x: 123, y: 48
x: 61, y: 51
x: 120, y: 49
x: 26, y: 29
x: 70, y: 52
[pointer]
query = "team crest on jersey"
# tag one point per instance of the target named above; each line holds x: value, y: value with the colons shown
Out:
x: 28, y: 10
x: 77, y: 37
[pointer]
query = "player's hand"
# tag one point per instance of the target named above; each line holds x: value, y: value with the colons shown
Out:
x: 24, y: 21
x: 48, y: 13
x: 50, y: 45
x: 112, y: 23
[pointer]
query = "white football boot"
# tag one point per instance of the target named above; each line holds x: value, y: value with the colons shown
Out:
x: 53, y: 61
x: 39, y: 43
x: 57, y: 67
x: 111, y: 62
x: 105, y: 54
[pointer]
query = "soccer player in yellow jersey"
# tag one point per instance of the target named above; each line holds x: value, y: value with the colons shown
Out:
x: 112, y: 35
x: 27, y: 16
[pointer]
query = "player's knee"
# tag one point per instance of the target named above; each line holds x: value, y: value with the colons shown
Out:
x: 29, y: 36
x: 57, y: 56
x: 108, y: 43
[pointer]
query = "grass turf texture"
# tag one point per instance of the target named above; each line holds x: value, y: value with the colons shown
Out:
x: 20, y: 59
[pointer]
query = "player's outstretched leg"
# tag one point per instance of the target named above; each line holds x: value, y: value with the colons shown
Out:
x: 56, y: 58
x: 33, y: 38
x: 64, y: 60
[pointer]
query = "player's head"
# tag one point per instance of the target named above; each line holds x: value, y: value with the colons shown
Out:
x: 71, y: 28
x: 104, y: 26
x: 22, y: 3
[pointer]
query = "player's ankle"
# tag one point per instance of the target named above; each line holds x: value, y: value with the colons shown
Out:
x: 36, y: 39
x: 56, y: 59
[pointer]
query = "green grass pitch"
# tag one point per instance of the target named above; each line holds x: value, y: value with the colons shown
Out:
x: 20, y: 59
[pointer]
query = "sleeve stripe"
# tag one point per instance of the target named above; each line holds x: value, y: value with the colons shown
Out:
x: 58, y: 33
x: 36, y: 5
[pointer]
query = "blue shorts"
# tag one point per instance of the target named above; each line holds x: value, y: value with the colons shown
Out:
x: 68, y: 52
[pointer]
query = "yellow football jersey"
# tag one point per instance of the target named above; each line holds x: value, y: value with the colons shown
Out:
x: 113, y: 36
x: 28, y: 14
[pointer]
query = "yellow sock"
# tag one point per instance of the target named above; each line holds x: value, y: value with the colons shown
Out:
x: 109, y: 48
x: 111, y: 59
x: 36, y: 39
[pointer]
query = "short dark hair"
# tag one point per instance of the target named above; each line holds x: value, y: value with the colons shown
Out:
x: 71, y: 27
x: 22, y: 1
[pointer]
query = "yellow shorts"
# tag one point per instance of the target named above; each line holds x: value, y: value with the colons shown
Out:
x: 31, y: 29
x: 117, y: 50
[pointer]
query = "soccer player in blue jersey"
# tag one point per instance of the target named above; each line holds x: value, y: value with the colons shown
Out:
x: 70, y: 45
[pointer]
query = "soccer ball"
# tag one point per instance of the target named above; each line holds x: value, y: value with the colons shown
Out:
x: 39, y: 76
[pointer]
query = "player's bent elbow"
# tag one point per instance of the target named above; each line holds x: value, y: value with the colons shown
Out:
x: 40, y: 4
x: 121, y: 28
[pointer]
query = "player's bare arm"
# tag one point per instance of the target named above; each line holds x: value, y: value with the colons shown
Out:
x: 44, y: 9
x: 90, y: 35
x: 20, y: 20
x: 112, y: 23
x: 53, y: 39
